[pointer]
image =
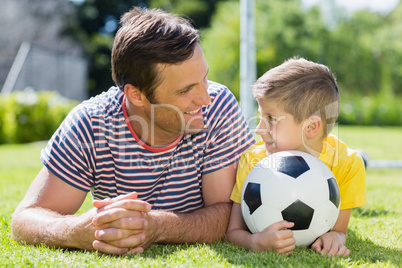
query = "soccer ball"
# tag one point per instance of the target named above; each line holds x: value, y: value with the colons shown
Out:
x: 293, y: 186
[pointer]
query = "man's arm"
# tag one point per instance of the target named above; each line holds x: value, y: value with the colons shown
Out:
x: 45, y: 215
x: 205, y: 225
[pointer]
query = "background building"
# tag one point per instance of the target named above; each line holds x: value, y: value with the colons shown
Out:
x: 36, y: 51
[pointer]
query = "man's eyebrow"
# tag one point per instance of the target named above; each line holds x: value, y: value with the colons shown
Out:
x: 191, y: 85
x: 186, y: 87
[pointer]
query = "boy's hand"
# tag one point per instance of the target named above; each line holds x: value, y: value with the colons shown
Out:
x: 276, y: 237
x: 331, y: 243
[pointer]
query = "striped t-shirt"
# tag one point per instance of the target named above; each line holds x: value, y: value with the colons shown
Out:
x: 96, y: 150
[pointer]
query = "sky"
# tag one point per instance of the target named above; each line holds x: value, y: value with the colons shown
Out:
x: 382, y: 6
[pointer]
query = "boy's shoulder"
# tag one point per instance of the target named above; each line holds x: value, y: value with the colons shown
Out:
x: 253, y: 155
x: 256, y: 150
x: 336, y: 153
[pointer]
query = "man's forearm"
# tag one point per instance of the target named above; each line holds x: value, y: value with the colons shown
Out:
x: 205, y: 225
x: 37, y: 226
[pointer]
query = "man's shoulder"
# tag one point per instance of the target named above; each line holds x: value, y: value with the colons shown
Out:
x: 215, y: 89
x: 222, y: 98
x: 104, y: 104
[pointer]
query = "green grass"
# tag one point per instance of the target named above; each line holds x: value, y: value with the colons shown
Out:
x: 374, y: 234
x: 378, y: 142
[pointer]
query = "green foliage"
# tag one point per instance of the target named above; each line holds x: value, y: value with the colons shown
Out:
x: 374, y: 233
x: 222, y: 57
x: 198, y: 11
x: 371, y: 110
x: 27, y: 116
x: 352, y: 53
x: 279, y: 35
x: 3, y: 120
x: 362, y: 50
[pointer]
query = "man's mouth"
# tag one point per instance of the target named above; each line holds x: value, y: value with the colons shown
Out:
x: 193, y: 112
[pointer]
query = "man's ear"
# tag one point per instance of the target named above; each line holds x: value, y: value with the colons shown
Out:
x: 134, y: 95
x: 313, y: 125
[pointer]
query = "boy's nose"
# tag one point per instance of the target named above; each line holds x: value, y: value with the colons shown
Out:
x: 262, y: 128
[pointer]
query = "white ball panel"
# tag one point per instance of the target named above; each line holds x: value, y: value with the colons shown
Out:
x: 265, y: 216
x: 272, y: 190
x: 304, y: 237
x: 247, y: 217
x: 324, y: 218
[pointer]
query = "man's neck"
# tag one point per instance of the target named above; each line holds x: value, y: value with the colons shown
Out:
x: 146, y: 130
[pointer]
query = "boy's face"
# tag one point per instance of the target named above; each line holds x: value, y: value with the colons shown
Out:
x: 278, y: 129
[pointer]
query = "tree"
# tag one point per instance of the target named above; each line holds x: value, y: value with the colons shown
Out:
x: 391, y: 50
x: 96, y: 21
x: 283, y: 30
x: 94, y: 24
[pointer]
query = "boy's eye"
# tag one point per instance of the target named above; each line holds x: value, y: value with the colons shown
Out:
x: 272, y: 118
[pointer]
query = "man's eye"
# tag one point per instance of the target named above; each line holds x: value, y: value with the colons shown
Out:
x: 184, y: 91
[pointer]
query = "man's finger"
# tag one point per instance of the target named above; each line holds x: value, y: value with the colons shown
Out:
x: 134, y: 251
x: 105, y: 248
x: 131, y: 241
x: 113, y: 234
x: 109, y: 216
x: 137, y: 205
x: 127, y: 223
x: 108, y: 201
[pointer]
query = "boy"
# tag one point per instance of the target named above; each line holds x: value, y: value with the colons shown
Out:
x: 298, y: 103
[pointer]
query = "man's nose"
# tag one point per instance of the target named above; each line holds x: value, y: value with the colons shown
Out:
x: 202, y: 97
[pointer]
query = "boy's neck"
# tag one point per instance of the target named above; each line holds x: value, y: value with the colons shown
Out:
x: 314, y: 146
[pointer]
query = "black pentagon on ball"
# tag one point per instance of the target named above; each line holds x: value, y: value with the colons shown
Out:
x: 252, y: 196
x: 299, y: 213
x: 334, y: 195
x: 293, y: 165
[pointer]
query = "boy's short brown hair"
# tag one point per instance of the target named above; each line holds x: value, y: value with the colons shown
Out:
x: 302, y: 88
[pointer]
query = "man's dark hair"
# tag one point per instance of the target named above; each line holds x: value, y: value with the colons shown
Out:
x: 146, y: 38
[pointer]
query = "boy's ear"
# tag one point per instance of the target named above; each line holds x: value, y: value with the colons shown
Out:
x: 134, y: 95
x: 313, y: 125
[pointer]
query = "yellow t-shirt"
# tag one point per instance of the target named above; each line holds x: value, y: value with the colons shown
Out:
x: 346, y: 164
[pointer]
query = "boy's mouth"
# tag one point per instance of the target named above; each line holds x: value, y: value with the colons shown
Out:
x: 269, y: 143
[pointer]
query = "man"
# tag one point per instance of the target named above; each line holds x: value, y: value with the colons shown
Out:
x: 158, y: 152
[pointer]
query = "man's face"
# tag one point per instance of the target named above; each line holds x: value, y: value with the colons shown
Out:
x: 176, y: 107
